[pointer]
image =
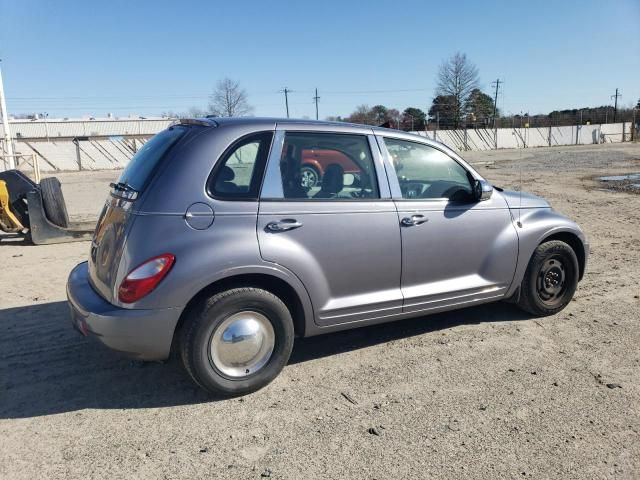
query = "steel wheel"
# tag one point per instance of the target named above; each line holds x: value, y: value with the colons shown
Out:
x: 550, y: 283
x: 551, y: 279
x: 242, y: 344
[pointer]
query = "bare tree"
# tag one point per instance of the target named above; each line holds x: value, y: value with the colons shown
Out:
x: 457, y: 78
x: 196, y: 112
x: 229, y: 100
x: 363, y: 114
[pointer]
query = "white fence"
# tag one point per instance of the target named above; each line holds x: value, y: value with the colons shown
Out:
x: 31, y: 129
x: 110, y: 144
x: 488, y: 139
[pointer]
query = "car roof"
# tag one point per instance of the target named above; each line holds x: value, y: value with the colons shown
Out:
x: 252, y: 120
x: 220, y: 121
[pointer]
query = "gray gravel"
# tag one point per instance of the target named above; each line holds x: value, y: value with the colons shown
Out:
x: 484, y: 392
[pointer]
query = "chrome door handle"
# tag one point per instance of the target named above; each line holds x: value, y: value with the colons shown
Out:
x: 283, y: 225
x: 414, y: 220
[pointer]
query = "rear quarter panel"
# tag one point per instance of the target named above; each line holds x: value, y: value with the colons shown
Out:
x: 227, y: 248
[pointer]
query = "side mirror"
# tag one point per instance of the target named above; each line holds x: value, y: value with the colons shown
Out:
x: 482, y: 190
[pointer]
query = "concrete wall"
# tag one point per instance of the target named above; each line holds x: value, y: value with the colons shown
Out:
x: 485, y: 139
x: 85, y: 128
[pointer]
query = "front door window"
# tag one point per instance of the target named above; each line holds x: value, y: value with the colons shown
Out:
x: 425, y: 172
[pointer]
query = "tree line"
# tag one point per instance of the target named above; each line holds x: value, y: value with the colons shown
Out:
x: 458, y: 103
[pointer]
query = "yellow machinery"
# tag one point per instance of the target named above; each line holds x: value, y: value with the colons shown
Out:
x: 8, y: 220
x: 36, y: 211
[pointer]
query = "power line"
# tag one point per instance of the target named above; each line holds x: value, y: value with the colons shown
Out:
x: 353, y: 92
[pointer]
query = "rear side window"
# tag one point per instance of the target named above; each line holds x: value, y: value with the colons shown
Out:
x: 325, y: 166
x: 238, y: 173
x: 144, y: 162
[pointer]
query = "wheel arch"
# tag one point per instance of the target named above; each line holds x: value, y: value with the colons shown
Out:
x: 314, y: 164
x: 271, y: 283
x: 575, y: 242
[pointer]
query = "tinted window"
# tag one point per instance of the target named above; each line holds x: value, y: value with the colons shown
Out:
x: 146, y: 159
x: 426, y: 172
x: 325, y: 166
x: 237, y: 175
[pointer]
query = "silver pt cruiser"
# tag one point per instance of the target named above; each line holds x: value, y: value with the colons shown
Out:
x: 212, y: 244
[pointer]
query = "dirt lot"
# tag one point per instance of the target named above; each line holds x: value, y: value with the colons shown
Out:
x: 484, y: 392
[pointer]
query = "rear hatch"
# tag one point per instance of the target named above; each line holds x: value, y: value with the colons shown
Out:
x: 116, y: 218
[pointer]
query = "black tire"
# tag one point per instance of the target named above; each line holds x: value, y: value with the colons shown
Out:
x: 201, y: 324
x: 551, y: 279
x: 310, y: 177
x: 53, y: 201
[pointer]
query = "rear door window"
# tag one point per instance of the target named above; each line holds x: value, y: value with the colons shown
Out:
x: 238, y: 173
x: 143, y: 163
x: 324, y: 166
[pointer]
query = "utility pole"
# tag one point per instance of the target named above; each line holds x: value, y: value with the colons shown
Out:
x: 495, y: 101
x: 46, y: 125
x: 286, y: 92
x: 315, y: 99
x: 413, y: 124
x: 5, y: 125
x: 615, y: 107
x: 495, y: 111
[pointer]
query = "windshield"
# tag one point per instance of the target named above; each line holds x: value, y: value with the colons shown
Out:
x: 144, y: 162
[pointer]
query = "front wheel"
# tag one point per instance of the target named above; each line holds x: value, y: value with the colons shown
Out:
x: 309, y: 177
x: 551, y: 279
x: 237, y: 341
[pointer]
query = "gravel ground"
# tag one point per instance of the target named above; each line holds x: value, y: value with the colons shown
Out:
x: 484, y: 392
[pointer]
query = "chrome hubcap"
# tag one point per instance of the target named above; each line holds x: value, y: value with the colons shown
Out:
x: 551, y: 280
x: 242, y: 344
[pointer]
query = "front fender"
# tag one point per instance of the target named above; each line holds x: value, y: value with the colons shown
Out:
x: 534, y: 226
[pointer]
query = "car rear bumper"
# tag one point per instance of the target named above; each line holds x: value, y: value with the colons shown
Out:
x: 142, y: 334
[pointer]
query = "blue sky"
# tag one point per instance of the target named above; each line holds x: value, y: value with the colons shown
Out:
x: 78, y: 58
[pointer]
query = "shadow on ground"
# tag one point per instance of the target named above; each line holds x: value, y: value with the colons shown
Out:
x: 46, y: 367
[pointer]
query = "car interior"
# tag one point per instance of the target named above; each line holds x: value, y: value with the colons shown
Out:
x: 335, y: 183
x: 423, y: 172
x: 427, y: 173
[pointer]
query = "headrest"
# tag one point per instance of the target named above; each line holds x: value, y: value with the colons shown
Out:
x: 226, y: 174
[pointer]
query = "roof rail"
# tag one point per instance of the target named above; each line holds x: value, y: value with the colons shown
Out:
x: 203, y: 122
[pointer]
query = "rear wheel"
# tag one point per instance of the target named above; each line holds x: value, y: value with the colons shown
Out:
x: 551, y: 279
x: 237, y: 341
x: 53, y: 202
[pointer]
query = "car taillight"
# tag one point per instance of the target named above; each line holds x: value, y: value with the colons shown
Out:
x: 144, y: 278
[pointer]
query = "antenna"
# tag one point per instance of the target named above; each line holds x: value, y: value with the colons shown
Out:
x: 520, y: 168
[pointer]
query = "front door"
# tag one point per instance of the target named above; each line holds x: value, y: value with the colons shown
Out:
x: 339, y: 235
x: 455, y: 251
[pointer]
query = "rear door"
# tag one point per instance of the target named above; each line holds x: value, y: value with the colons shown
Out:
x: 455, y: 250
x: 340, y: 237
